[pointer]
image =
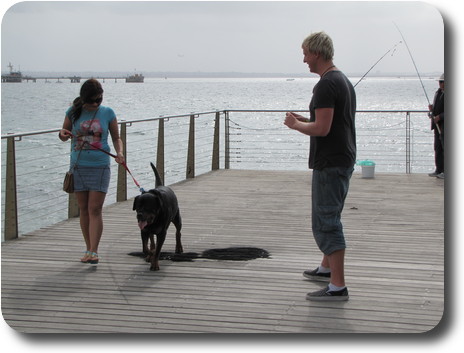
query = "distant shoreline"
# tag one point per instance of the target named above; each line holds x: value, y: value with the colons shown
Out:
x: 215, y: 74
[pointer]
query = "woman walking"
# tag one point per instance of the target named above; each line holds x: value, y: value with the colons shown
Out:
x: 88, y: 124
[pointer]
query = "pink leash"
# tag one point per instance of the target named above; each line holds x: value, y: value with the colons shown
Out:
x: 123, y: 164
x: 114, y: 156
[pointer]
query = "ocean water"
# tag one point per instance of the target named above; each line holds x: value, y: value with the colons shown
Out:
x: 40, y: 106
x: 259, y: 140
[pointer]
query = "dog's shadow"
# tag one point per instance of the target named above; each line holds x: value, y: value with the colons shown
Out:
x: 228, y: 254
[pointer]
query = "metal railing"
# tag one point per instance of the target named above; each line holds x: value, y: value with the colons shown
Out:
x: 34, y: 163
x: 395, y: 141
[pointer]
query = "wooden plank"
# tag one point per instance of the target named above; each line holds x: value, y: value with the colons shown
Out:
x: 394, y: 226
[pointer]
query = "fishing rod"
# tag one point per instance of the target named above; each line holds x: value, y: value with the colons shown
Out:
x: 414, y: 63
x: 384, y: 55
x: 418, y: 75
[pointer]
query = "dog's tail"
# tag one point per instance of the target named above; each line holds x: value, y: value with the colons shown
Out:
x: 159, y: 182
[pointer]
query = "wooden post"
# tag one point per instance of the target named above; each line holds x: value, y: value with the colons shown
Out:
x: 73, y: 207
x: 190, y: 170
x: 408, y: 143
x: 160, y: 150
x: 121, y: 194
x: 215, y: 158
x: 11, y: 204
x: 227, y: 141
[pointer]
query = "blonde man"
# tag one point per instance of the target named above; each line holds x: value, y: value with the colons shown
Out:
x: 331, y: 128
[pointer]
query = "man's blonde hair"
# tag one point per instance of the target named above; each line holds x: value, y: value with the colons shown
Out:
x: 320, y: 43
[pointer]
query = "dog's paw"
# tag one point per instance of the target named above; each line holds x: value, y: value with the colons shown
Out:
x: 154, y: 268
x: 179, y: 249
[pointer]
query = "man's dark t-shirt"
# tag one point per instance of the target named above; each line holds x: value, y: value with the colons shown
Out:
x: 338, y: 148
x: 438, y: 107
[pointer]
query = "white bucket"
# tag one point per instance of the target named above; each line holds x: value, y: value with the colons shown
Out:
x: 368, y: 171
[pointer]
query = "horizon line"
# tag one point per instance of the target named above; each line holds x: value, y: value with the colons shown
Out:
x: 156, y: 74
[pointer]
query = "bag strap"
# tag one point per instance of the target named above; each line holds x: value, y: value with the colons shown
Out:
x: 71, y: 168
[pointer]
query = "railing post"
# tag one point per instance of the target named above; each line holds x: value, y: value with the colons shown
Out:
x: 226, y: 141
x: 190, y: 170
x: 11, y: 204
x: 408, y: 143
x: 215, y: 158
x: 160, y: 150
x: 73, y: 207
x: 121, y: 193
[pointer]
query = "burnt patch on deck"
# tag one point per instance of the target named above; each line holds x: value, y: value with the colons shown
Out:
x: 227, y: 254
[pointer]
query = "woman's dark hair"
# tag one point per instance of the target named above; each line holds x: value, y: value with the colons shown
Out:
x: 89, y: 90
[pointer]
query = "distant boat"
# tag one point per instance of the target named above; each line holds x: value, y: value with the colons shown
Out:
x: 13, y: 76
x: 135, y: 78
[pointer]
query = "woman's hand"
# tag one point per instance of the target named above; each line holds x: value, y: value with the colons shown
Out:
x: 120, y: 158
x: 64, y: 135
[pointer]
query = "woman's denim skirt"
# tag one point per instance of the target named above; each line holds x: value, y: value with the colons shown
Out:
x: 92, y: 178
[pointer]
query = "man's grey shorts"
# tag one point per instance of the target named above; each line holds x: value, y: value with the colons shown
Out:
x: 329, y: 190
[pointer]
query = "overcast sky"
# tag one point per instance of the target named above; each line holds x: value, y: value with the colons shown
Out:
x: 217, y: 36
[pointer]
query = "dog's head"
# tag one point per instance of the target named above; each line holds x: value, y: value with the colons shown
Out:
x: 148, y: 207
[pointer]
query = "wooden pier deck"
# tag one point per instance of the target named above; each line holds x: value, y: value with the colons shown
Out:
x: 394, y: 226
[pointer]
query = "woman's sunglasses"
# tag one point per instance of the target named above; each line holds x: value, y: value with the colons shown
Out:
x: 96, y: 100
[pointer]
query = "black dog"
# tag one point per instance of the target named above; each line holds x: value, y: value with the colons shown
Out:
x: 156, y: 209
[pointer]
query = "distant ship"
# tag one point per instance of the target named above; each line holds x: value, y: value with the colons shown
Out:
x: 135, y: 78
x: 13, y: 76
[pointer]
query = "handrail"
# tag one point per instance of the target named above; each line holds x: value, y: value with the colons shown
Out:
x: 199, y: 150
x: 39, y: 132
x: 305, y: 110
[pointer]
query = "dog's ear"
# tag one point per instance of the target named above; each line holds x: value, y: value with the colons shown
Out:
x: 134, y: 207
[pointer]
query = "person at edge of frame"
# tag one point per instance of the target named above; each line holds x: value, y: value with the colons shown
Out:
x: 437, y: 117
